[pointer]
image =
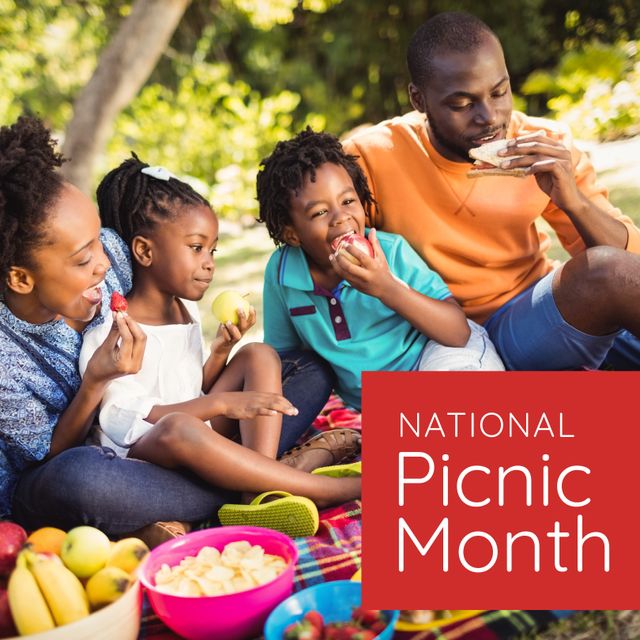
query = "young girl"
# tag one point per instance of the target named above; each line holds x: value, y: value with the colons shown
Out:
x: 389, y: 312
x: 161, y: 413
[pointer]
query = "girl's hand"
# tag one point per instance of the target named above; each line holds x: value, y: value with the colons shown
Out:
x: 229, y: 334
x: 372, y: 276
x: 121, y: 352
x: 242, y: 405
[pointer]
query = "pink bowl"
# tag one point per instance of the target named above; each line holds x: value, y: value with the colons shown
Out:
x: 235, y: 616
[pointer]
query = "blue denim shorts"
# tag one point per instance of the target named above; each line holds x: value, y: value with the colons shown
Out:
x: 531, y: 335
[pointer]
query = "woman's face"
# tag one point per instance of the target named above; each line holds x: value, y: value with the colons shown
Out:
x: 68, y: 268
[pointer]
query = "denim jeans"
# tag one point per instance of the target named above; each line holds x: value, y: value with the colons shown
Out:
x: 625, y: 353
x: 91, y: 485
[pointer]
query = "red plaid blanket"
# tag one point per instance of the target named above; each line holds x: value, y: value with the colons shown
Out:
x: 334, y: 554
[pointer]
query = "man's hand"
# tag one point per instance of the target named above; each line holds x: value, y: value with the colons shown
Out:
x: 550, y: 162
x: 372, y: 276
x: 120, y: 354
x: 242, y: 405
x: 229, y: 334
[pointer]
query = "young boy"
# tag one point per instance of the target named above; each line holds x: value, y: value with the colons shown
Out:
x: 388, y: 312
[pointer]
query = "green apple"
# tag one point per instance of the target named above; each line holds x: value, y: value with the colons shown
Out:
x: 85, y: 551
x: 225, y: 306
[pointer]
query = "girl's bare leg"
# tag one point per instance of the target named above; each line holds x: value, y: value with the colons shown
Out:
x: 182, y: 441
x: 256, y: 367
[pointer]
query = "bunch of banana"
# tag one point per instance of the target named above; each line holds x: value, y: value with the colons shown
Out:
x: 43, y: 593
x: 45, y: 590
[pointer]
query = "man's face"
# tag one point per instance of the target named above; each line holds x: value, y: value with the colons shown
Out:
x: 467, y: 99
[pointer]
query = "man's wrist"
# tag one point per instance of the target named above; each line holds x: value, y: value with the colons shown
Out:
x: 580, y: 208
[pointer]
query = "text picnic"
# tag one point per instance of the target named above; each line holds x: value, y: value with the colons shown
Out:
x: 491, y: 484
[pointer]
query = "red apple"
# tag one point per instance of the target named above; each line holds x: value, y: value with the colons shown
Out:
x: 12, y: 537
x: 7, y: 628
x: 352, y: 239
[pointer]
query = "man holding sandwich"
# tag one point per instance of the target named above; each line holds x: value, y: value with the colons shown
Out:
x: 475, y: 224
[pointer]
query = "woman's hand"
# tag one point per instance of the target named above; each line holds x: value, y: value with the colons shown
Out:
x: 230, y: 334
x: 241, y: 405
x: 372, y: 276
x: 120, y: 354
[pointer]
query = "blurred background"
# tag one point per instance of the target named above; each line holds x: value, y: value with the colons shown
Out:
x: 207, y: 87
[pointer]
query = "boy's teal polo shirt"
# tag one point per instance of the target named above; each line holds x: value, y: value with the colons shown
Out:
x: 352, y: 331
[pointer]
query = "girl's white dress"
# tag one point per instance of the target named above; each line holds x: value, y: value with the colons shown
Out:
x: 171, y: 372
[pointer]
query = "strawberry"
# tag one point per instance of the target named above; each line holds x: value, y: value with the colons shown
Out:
x: 364, y: 634
x: 118, y: 302
x: 315, y: 618
x: 367, y: 616
x: 378, y: 626
x: 349, y: 631
x: 302, y: 630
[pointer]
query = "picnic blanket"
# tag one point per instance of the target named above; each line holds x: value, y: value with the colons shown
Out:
x: 334, y: 552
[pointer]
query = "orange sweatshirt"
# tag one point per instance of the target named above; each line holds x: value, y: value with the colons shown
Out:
x: 478, y: 234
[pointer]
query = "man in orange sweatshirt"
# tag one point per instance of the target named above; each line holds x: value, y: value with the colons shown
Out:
x: 480, y: 234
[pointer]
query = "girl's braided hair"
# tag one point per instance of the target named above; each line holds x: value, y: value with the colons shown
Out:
x: 132, y: 202
x: 29, y: 186
x: 284, y: 171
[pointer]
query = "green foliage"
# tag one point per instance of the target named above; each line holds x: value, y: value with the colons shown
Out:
x: 48, y: 51
x: 594, y: 89
x: 239, y: 75
x: 214, y: 129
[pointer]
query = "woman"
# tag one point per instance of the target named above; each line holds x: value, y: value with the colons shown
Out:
x: 57, y: 270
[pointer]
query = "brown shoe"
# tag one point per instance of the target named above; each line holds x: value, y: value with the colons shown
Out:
x: 343, y: 445
x: 158, y: 532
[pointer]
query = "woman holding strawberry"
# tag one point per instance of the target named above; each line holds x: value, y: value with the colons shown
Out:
x: 58, y: 270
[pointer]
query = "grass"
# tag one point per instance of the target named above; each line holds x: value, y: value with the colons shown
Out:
x: 596, y: 625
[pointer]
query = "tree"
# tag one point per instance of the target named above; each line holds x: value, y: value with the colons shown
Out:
x: 124, y: 67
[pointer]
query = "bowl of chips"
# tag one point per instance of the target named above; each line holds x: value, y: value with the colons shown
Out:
x: 219, y: 583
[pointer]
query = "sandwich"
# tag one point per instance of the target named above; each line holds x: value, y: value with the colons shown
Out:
x: 487, y: 161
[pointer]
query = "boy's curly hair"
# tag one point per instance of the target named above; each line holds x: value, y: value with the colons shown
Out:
x: 284, y: 171
x: 29, y: 186
x: 132, y: 202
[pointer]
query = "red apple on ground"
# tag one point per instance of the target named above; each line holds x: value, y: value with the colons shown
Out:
x: 12, y: 537
x: 7, y: 628
x: 355, y: 240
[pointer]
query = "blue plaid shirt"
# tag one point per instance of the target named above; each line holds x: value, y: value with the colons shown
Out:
x: 39, y: 375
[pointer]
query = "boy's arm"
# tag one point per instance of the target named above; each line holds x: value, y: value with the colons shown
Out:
x: 440, y: 319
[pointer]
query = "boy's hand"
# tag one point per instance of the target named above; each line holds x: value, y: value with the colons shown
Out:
x: 121, y: 352
x: 229, y: 334
x: 242, y: 405
x: 372, y: 276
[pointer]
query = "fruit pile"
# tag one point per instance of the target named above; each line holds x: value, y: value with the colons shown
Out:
x: 365, y: 624
x: 55, y: 578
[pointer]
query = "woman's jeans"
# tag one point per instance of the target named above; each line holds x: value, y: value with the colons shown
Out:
x: 91, y: 485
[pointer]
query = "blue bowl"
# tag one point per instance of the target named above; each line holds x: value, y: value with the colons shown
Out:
x: 334, y: 600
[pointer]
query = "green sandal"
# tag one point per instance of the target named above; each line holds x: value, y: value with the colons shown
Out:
x: 292, y: 515
x: 341, y: 470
